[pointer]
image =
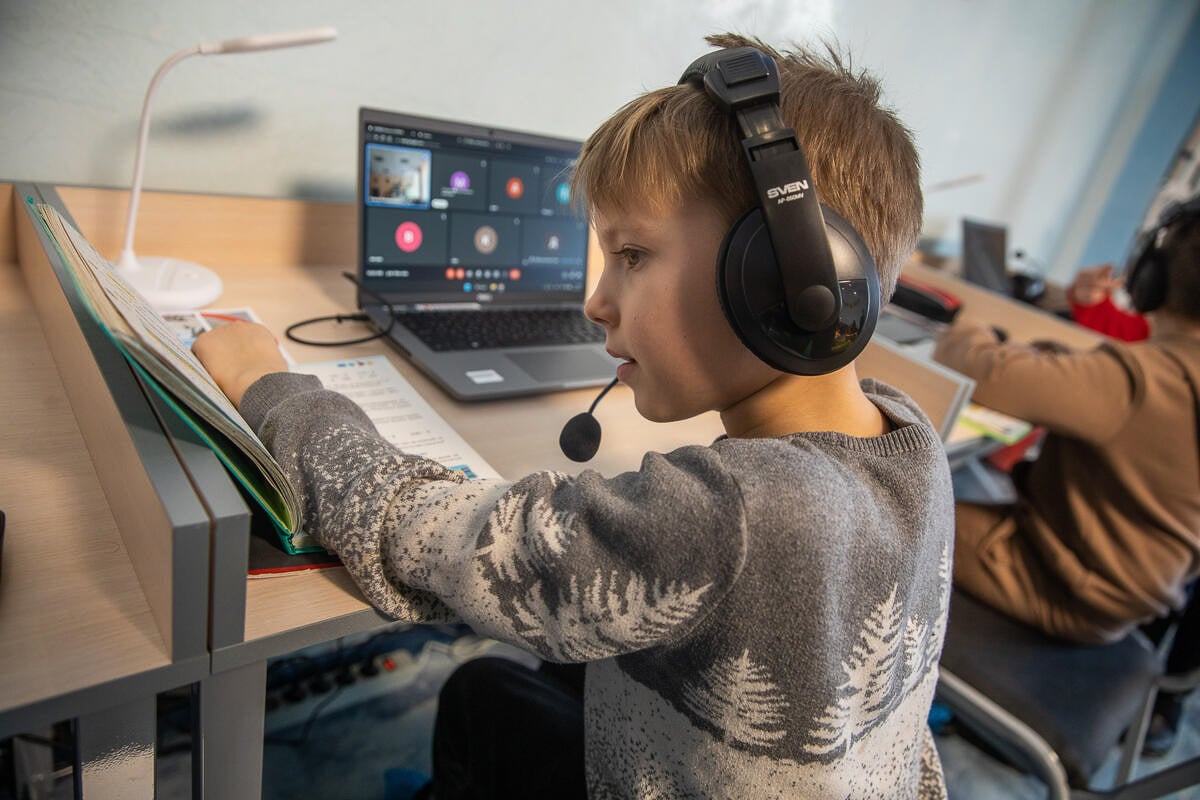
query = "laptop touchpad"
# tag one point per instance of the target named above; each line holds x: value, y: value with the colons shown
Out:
x: 563, y: 365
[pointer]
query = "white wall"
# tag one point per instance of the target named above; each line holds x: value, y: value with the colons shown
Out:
x: 1041, y: 98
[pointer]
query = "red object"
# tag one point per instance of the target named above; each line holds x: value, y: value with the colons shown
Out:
x: 951, y: 300
x: 408, y: 236
x: 926, y: 300
x: 1007, y: 457
x: 1106, y: 318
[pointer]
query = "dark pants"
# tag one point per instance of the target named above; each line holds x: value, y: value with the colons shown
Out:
x: 504, y: 730
x: 1184, y: 656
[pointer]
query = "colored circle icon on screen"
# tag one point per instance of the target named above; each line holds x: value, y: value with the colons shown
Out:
x: 408, y: 236
x: 486, y: 239
x: 563, y: 193
x: 460, y: 181
x: 515, y: 188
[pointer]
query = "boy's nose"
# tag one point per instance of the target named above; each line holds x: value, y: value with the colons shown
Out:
x: 597, y: 308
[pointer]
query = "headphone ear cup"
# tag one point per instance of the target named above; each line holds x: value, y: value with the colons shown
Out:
x: 1147, y: 282
x: 752, y: 297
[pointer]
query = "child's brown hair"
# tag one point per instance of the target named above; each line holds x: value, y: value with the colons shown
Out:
x: 672, y: 144
x: 1182, y: 254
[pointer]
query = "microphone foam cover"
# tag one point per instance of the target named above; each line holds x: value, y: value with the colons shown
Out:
x: 580, y: 437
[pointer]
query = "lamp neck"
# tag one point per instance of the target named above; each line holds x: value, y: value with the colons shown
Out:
x: 139, y: 162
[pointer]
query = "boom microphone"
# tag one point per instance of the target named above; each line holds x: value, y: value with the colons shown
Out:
x: 580, y: 437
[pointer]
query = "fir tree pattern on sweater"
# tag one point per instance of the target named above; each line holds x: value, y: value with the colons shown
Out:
x: 736, y: 696
x: 871, y: 689
x: 525, y: 534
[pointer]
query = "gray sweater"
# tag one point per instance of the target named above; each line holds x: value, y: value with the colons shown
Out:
x: 761, y: 618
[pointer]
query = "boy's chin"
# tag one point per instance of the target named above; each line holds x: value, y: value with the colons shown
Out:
x: 662, y: 412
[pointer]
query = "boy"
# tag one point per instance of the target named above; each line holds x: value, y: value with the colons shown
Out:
x: 1105, y: 534
x: 1106, y: 531
x: 760, y: 617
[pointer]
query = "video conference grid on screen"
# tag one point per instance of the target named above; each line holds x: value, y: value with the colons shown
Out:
x: 451, y: 213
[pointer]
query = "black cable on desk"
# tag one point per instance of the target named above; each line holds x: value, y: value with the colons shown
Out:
x: 340, y: 318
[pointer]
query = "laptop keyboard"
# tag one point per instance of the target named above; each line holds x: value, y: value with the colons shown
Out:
x: 517, y: 327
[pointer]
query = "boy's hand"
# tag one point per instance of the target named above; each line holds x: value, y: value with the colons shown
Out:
x: 1092, y: 284
x: 238, y: 354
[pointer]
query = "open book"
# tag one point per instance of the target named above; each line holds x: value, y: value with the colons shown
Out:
x: 166, y: 364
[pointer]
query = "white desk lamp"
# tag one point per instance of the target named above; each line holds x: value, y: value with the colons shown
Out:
x: 170, y: 283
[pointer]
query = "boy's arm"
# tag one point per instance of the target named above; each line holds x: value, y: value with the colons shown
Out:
x: 572, y: 568
x: 1086, y: 394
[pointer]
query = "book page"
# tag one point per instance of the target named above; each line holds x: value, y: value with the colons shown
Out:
x: 165, y: 361
x: 399, y: 413
x: 978, y: 421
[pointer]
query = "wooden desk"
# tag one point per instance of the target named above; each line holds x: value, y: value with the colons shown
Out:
x: 1021, y: 321
x: 81, y: 635
x: 283, y: 259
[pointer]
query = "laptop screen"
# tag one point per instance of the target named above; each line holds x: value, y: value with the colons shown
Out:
x: 451, y: 212
x: 985, y: 255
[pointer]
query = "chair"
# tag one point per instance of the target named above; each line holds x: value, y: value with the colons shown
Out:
x: 1058, y: 708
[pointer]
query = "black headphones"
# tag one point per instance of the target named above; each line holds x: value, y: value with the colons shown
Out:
x: 1146, y: 273
x: 796, y: 281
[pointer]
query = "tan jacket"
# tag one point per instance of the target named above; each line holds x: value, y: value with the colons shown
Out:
x: 1111, y: 507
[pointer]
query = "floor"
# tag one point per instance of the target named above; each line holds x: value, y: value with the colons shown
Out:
x: 351, y: 744
x: 343, y: 718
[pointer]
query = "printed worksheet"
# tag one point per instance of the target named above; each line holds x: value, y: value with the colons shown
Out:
x: 400, y: 414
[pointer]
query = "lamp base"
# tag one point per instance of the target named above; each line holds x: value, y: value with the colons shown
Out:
x: 171, y: 284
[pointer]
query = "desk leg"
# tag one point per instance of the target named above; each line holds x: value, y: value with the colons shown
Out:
x: 115, y: 752
x: 228, y: 762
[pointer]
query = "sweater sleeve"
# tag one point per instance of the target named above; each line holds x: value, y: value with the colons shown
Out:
x: 1110, y: 320
x: 573, y: 568
x: 1069, y: 393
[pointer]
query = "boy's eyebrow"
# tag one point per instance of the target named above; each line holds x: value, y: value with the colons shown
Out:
x: 624, y: 229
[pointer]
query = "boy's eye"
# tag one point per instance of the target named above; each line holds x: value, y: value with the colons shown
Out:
x: 631, y: 257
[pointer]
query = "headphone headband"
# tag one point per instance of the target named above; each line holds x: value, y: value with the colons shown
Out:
x: 744, y: 81
x: 735, y: 78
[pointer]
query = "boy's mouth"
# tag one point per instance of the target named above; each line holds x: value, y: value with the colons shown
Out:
x: 619, y: 357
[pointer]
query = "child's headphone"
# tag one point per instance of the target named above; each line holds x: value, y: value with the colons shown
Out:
x: 1146, y: 274
x: 796, y: 281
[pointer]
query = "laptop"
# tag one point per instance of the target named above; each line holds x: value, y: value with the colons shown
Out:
x: 469, y: 239
x: 985, y: 256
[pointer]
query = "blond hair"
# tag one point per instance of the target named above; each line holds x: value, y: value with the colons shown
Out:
x: 674, y: 143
